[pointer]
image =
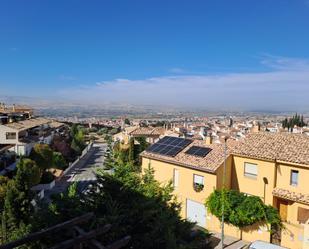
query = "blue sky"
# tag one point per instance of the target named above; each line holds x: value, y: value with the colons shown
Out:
x: 157, y: 52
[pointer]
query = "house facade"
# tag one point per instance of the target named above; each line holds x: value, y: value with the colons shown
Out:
x: 271, y: 166
x: 152, y: 134
x: 23, y: 135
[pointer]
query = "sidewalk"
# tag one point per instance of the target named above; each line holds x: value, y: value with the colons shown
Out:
x: 229, y: 242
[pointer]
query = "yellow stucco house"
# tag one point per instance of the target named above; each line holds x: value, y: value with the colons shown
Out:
x: 274, y: 167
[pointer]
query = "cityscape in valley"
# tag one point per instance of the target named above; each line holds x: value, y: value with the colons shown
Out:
x: 154, y: 125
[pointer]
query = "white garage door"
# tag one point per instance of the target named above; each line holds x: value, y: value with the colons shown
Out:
x: 196, y: 212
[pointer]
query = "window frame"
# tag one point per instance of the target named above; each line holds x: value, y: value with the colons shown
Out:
x: 198, y: 182
x: 250, y: 175
x: 291, y: 178
x: 197, y: 186
x: 9, y: 134
x: 175, y: 183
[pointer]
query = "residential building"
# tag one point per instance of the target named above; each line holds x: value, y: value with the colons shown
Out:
x: 22, y: 135
x: 152, y: 134
x: 272, y: 166
x: 277, y: 171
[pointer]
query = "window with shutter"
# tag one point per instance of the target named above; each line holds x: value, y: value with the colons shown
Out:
x: 176, y: 178
x: 250, y: 170
x: 303, y: 215
x: 294, y: 178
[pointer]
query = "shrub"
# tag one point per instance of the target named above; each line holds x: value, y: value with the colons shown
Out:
x: 47, y: 177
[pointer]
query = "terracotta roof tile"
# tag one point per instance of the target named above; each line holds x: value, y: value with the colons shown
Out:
x: 286, y: 147
x: 210, y: 163
x: 292, y: 196
x: 147, y: 131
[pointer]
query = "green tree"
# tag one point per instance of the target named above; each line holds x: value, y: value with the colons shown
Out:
x: 42, y: 154
x: 138, y: 205
x: 114, y: 131
x: 78, y: 139
x: 135, y: 204
x: 3, y: 188
x: 127, y: 121
x: 18, y: 208
x: 59, y: 161
x: 102, y: 131
x: 143, y: 144
x: 75, y: 145
x: 73, y: 130
x: 28, y: 173
x: 109, y: 160
x: 296, y: 120
x: 131, y: 156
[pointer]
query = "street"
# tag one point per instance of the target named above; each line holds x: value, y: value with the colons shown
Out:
x: 83, y: 172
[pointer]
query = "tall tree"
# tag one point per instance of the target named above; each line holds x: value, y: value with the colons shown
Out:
x: 42, y: 154
x: 78, y: 139
x: 131, y: 156
x: 28, y: 173
x: 3, y: 188
x: 59, y: 161
x: 18, y: 209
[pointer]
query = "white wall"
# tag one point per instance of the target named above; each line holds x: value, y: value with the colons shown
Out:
x: 3, y: 131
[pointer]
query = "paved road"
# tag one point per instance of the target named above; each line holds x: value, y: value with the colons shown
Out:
x: 229, y: 242
x: 83, y: 172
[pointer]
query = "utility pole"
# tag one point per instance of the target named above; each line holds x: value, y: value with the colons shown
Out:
x: 223, y: 189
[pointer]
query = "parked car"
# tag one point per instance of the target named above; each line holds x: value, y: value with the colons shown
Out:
x: 258, y: 244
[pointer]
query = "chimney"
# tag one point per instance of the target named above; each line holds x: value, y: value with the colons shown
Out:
x: 13, y: 108
x: 208, y: 140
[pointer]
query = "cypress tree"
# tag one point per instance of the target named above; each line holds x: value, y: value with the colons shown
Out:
x: 131, y: 151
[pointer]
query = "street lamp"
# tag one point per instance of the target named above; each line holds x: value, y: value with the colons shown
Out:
x: 223, y: 184
x: 265, y: 180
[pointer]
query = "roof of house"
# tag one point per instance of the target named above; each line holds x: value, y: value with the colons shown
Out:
x: 55, y: 124
x: 148, y: 131
x: 27, y: 124
x: 16, y: 108
x: 4, y: 147
x: 292, y: 196
x: 210, y: 163
x: 130, y: 128
x: 171, y: 133
x: 287, y: 147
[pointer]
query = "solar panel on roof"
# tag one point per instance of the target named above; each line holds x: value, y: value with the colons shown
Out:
x: 198, y: 151
x: 154, y: 146
x: 192, y: 150
x: 169, y: 146
x: 175, y: 142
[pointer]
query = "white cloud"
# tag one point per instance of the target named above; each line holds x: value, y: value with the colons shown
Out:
x: 285, y: 87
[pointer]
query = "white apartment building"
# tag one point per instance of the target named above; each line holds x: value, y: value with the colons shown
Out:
x: 23, y: 135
